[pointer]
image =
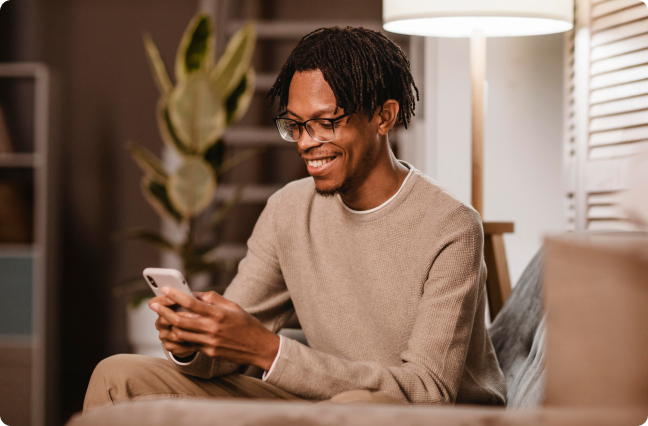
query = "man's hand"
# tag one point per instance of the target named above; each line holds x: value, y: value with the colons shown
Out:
x: 218, y: 328
x: 171, y: 342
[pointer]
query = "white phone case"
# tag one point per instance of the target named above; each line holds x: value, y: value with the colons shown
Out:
x: 165, y: 277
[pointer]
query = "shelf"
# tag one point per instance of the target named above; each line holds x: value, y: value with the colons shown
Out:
x: 23, y: 70
x: 19, y: 160
x: 256, y: 136
x: 295, y: 30
x: 252, y: 194
x: 10, y: 249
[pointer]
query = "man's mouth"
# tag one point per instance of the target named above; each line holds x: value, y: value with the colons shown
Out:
x: 319, y: 162
x: 319, y: 166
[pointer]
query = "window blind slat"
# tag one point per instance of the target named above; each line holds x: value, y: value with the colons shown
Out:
x: 605, y: 212
x: 619, y: 18
x: 619, y: 33
x: 619, y: 121
x: 619, y: 77
x: 619, y: 92
x: 616, y: 107
x: 619, y: 62
x: 619, y: 150
x: 619, y: 136
x: 620, y: 47
x: 611, y: 6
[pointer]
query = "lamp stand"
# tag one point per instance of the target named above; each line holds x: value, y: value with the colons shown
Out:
x: 498, y: 282
x: 477, y: 78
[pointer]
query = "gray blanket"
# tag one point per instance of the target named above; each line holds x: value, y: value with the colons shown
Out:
x: 519, y: 338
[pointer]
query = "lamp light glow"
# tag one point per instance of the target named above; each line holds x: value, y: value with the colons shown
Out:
x: 461, y: 18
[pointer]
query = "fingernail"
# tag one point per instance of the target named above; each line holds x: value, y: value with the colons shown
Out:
x: 165, y: 290
x: 155, y: 306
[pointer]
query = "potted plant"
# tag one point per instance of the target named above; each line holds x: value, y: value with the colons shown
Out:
x: 208, y: 96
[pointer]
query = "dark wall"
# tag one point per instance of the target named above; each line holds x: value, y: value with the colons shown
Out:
x: 107, y: 97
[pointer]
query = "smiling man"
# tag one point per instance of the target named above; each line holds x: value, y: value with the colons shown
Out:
x: 383, y: 267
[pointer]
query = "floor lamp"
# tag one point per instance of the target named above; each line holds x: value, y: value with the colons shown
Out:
x: 479, y: 19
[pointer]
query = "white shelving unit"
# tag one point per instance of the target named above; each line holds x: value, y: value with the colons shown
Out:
x: 26, y: 276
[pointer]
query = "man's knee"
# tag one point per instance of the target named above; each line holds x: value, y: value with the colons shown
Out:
x: 122, y: 367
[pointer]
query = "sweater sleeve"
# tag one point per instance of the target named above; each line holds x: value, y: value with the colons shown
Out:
x: 432, y: 363
x: 258, y: 287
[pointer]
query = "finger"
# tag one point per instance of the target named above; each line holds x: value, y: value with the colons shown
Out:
x: 186, y: 301
x: 169, y: 336
x: 177, y: 348
x: 188, y: 314
x: 162, y: 324
x: 161, y: 300
x: 199, y: 324
x: 211, y: 297
x: 196, y: 338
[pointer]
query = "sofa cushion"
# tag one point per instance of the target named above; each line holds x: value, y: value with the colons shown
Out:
x: 519, y: 335
x: 205, y: 412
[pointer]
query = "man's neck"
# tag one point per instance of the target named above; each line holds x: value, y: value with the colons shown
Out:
x: 380, y: 185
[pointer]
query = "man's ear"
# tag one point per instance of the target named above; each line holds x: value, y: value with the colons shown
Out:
x: 388, y: 116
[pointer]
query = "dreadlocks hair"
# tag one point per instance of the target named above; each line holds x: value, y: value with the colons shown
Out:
x: 363, y: 68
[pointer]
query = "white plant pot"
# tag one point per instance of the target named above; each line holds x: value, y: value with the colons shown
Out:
x: 142, y: 334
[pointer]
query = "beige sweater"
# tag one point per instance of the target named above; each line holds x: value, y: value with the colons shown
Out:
x: 392, y: 300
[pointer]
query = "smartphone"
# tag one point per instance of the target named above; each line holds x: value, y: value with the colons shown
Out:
x: 166, y: 277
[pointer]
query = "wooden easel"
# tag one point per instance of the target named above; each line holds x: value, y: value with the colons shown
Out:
x: 498, y: 282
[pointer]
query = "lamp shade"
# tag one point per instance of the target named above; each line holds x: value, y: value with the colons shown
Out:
x: 460, y: 18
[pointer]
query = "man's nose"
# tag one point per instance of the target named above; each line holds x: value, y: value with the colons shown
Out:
x: 306, y: 142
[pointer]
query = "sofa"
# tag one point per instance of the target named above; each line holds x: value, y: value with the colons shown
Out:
x: 527, y: 338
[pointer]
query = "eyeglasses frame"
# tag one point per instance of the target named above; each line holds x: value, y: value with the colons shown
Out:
x: 302, y: 125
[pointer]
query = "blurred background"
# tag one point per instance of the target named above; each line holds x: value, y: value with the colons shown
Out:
x: 68, y: 185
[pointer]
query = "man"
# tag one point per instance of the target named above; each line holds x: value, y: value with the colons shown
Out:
x: 384, y: 269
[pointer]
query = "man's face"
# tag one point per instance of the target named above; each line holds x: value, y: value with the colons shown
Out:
x: 342, y: 164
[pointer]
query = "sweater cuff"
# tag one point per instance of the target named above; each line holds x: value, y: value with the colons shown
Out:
x: 184, y: 361
x: 267, y: 374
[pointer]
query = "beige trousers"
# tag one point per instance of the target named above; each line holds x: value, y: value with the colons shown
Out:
x: 138, y: 377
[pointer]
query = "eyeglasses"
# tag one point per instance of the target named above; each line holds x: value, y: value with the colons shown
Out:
x: 320, y: 129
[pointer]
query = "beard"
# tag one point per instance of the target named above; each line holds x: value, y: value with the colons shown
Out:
x: 351, y: 181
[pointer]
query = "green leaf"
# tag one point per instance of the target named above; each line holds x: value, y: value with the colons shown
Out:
x: 238, y: 159
x: 147, y: 161
x: 147, y: 235
x: 196, y: 50
x: 197, y: 113
x: 167, y: 131
x: 156, y: 194
x: 239, y: 101
x: 191, y: 188
x: 235, y: 62
x: 160, y: 74
x: 214, y: 155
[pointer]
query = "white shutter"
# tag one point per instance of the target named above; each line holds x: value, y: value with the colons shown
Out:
x: 606, y: 62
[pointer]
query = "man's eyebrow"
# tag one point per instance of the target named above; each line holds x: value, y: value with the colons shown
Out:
x: 316, y: 114
x: 293, y: 114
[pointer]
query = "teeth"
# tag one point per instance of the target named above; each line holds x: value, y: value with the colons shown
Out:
x: 318, y: 163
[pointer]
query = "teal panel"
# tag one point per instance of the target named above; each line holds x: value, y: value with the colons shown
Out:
x: 16, y: 294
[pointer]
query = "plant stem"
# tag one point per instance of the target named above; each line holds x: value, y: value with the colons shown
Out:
x: 189, y: 246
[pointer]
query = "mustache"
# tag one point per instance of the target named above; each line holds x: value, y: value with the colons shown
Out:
x: 316, y: 152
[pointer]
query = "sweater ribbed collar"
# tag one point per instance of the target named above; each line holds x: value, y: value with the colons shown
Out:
x: 388, y: 206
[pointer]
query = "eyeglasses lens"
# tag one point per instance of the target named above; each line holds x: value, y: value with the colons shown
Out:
x: 321, y: 130
x: 288, y: 129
